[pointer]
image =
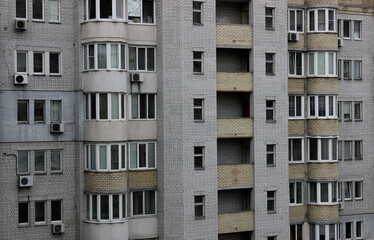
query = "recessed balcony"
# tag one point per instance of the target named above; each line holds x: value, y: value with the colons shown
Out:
x: 234, y: 81
x: 236, y: 222
x: 235, y: 176
x: 235, y: 128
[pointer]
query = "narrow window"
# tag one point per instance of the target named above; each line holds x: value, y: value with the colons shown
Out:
x: 38, y: 62
x: 134, y: 11
x: 56, y: 160
x: 348, y: 230
x: 101, y: 56
x: 198, y: 62
x: 148, y: 11
x: 54, y: 10
x: 296, y: 107
x: 197, y: 13
x: 347, y: 69
x: 357, y: 70
x: 198, y: 157
x: 91, y: 56
x: 37, y: 9
x: 54, y: 63
x: 114, y: 157
x: 39, y: 111
x: 296, y: 232
x: 91, y: 9
x: 199, y: 206
x: 347, y: 111
x: 55, y: 110
x: 39, y: 161
x: 358, y: 150
x: 104, y: 207
x: 321, y: 20
x: 358, y: 190
x: 346, y: 29
x: 23, y: 213
x: 295, y: 150
x: 270, y: 155
x: 359, y: 229
x: 270, y: 62
x: 103, y: 105
x: 347, y: 150
x: 21, y: 8
x: 21, y: 62
x: 357, y: 110
x: 198, y: 107
x: 106, y: 9
x: 348, y: 191
x: 269, y: 18
x: 271, y: 201
x: 357, y: 30
x: 40, y: 212
x: 270, y: 110
x: 115, y: 206
x: 137, y: 203
x: 56, y: 210
x: 23, y: 162
x: 296, y: 193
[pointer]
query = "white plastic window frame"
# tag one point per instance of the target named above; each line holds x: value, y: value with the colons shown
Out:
x: 97, y: 12
x: 326, y: 20
x: 86, y: 57
x: 349, y: 30
x: 59, y: 12
x: 108, y: 157
x: 290, y: 141
x: 98, y: 207
x: 317, y: 227
x: 302, y: 116
x: 28, y: 163
x: 143, y: 203
x: 348, y: 186
x: 354, y: 30
x: 294, y: 53
x: 137, y: 155
x: 26, y: 9
x: 43, y: 13
x: 26, y: 61
x: 138, y: 106
x: 141, y: 15
x: 326, y: 66
x: 318, y: 192
x: 48, y: 55
x: 137, y: 58
x: 361, y: 187
x: 295, y: 20
x: 43, y: 63
x: 295, y: 203
x: 319, y: 149
x: 121, y: 106
x: 327, y: 107
x: 45, y: 213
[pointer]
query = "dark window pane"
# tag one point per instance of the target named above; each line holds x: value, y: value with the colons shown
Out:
x: 93, y: 106
x: 56, y: 210
x: 151, y: 106
x: 39, y: 211
x: 150, y: 203
x: 39, y: 161
x: 21, y: 8
x: 94, y: 206
x: 114, y: 157
x: 148, y: 11
x: 22, y: 111
x: 37, y: 9
x: 141, y: 58
x: 106, y: 9
x: 91, y: 9
x: 23, y: 212
x: 104, y: 207
x: 54, y: 63
x: 197, y: 17
x: 103, y: 106
x: 137, y: 203
x: 143, y: 106
x: 115, y: 206
x: 38, y: 62
x: 39, y: 111
x: 150, y: 59
x: 313, y: 149
x: 23, y: 161
x: 55, y: 160
x: 21, y: 62
x: 142, y: 155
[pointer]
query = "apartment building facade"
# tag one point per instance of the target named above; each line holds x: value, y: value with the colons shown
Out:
x: 157, y: 119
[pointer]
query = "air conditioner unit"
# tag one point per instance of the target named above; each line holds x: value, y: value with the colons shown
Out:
x: 136, y: 77
x: 26, y: 181
x: 341, y: 206
x: 21, y: 24
x: 57, y: 127
x: 58, y: 228
x: 340, y: 42
x: 20, y: 79
x: 293, y: 37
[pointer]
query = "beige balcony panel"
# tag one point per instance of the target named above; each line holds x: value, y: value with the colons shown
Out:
x: 323, y: 127
x: 145, y: 178
x: 237, y: 35
x: 105, y: 181
x: 323, y: 213
x: 235, y: 127
x: 236, y: 222
x: 296, y: 127
x: 235, y: 175
x: 323, y: 85
x: 296, y: 85
x: 234, y: 82
x: 296, y: 170
x: 323, y: 40
x: 297, y: 213
x: 323, y: 170
x: 323, y: 2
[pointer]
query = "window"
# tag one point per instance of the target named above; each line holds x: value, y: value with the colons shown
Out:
x: 323, y: 192
x: 358, y: 150
x: 142, y: 58
x: 359, y: 229
x: 142, y: 155
x: 347, y: 69
x: 296, y: 232
x: 38, y: 10
x: 357, y: 70
x: 38, y: 62
x: 141, y: 11
x: 296, y: 150
x: 319, y: 232
x: 323, y: 149
x: 106, y: 207
x: 356, y: 30
x: 23, y: 213
x: 143, y: 202
x: 22, y: 62
x: 21, y: 9
x: 322, y: 64
x: 339, y: 69
x: 270, y: 110
x: 269, y: 18
x: 322, y: 20
x: 347, y: 191
x: 104, y: 56
x: 348, y: 230
x: 346, y: 29
x: 270, y: 62
x: 54, y: 63
x: 39, y: 111
x: 105, y: 106
x: 56, y: 163
x: 23, y: 162
x: 106, y: 157
x: 322, y: 106
x: 358, y: 190
x: 199, y: 157
x: 55, y: 110
x: 296, y: 106
x: 296, y: 193
x: 22, y: 111
x: 40, y: 211
x: 296, y: 63
x: 339, y: 191
x: 54, y: 10
x: 39, y: 161
x: 56, y: 210
x: 295, y: 20
x: 270, y: 154
x: 143, y: 106
x: 104, y: 9
x: 198, y: 109
x: 348, y: 111
x: 197, y: 8
x: 198, y: 62
x: 199, y: 206
x: 347, y: 150
x: 271, y: 201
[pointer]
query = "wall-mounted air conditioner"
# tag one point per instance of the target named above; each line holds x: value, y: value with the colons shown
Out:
x: 293, y: 37
x: 21, y: 24
x: 20, y: 79
x: 136, y: 77
x: 26, y: 181
x: 58, y: 228
x: 57, y: 127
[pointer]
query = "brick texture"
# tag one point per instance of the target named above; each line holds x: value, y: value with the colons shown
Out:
x: 235, y: 175
x: 323, y: 170
x: 296, y: 127
x: 143, y: 178
x: 323, y: 213
x: 235, y: 128
x: 323, y: 127
x: 297, y: 171
x: 234, y: 82
x: 106, y: 181
x: 238, y: 35
x: 301, y: 2
x: 323, y: 40
x: 297, y: 213
x: 296, y: 85
x: 323, y: 2
x: 235, y: 222
x: 323, y: 85
x: 298, y: 44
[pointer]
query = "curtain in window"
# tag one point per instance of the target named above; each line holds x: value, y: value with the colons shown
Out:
x: 55, y: 110
x: 321, y: 63
x: 103, y: 160
x: 119, y: 8
x: 134, y: 10
x: 133, y: 155
x: 53, y: 10
x: 357, y: 69
x: 114, y: 56
x: 115, y: 106
x: 150, y: 206
x: 101, y: 56
x: 299, y: 20
x: 23, y: 161
x: 151, y: 155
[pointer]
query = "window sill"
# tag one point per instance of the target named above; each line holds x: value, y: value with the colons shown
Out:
x: 270, y: 74
x: 38, y: 74
x: 270, y: 29
x: 199, y: 121
x: 199, y: 168
x: 57, y: 172
x: 296, y: 204
x: 296, y: 118
x: 296, y: 76
x: 41, y: 122
x: 23, y: 123
x: 142, y: 169
x: 359, y: 159
x: 359, y: 199
x: 40, y: 173
x: 347, y: 120
x: 348, y: 200
x: 271, y: 165
x: 347, y: 79
x: 107, y: 70
x: 105, y: 221
x: 357, y: 39
x: 54, y: 22
x: 104, y: 20
x: 198, y: 73
x: 359, y: 120
x: 55, y: 75
x: 200, y: 218
x: 38, y: 20
x: 40, y: 224
x: 323, y: 204
x: 348, y: 159
x: 198, y: 24
x: 144, y: 215
x: 296, y: 162
x: 272, y: 212
x: 270, y: 121
x: 104, y: 171
x: 357, y: 79
x: 147, y: 24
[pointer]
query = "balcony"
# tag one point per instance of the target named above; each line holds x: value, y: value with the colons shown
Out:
x: 233, y: 35
x: 236, y: 222
x: 235, y: 128
x: 323, y: 170
x: 323, y: 213
x: 234, y: 81
x: 235, y: 176
x: 323, y: 127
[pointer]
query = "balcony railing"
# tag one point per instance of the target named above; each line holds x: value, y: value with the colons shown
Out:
x: 235, y: 127
x: 232, y: 34
x: 236, y: 222
x: 234, y: 81
x: 237, y: 175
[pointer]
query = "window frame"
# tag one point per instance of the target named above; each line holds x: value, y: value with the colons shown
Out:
x: 58, y: 12
x: 44, y: 162
x: 359, y: 233
x: 296, y: 229
x: 139, y: 107
x: 348, y: 191
x: 141, y: 14
x: 42, y: 73
x: 350, y: 236
x: 359, y: 62
x: 60, y: 210
x: 330, y: 195
x: 294, y: 57
x: 269, y: 16
x: 314, y: 231
x: 95, y: 56
x: 302, y: 115
x: 26, y: 61
x: 28, y: 162
x: 97, y: 17
x: 319, y: 149
x: 146, y: 157
x: 43, y: 111
x: 44, y: 213
x: 200, y: 11
x: 26, y: 10
x: 59, y: 64
x: 347, y: 35
x: 199, y: 108
x: 271, y: 63
x: 268, y: 109
x: 271, y: 200
x: 26, y: 101
x: 326, y: 64
x: 317, y: 108
x: 326, y: 20
x: 122, y: 200
x: 136, y: 69
x: 199, y: 204
x: 143, y: 204
x: 96, y: 159
x: 295, y: 193
x: 359, y: 187
x: 197, y: 155
x: 271, y: 155
x: 291, y: 150
x: 359, y: 30
x: 59, y: 110
x: 60, y: 160
x: 198, y: 60
x: 28, y: 213
x: 43, y: 13
x: 358, y: 148
x: 295, y: 20
x: 121, y: 106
